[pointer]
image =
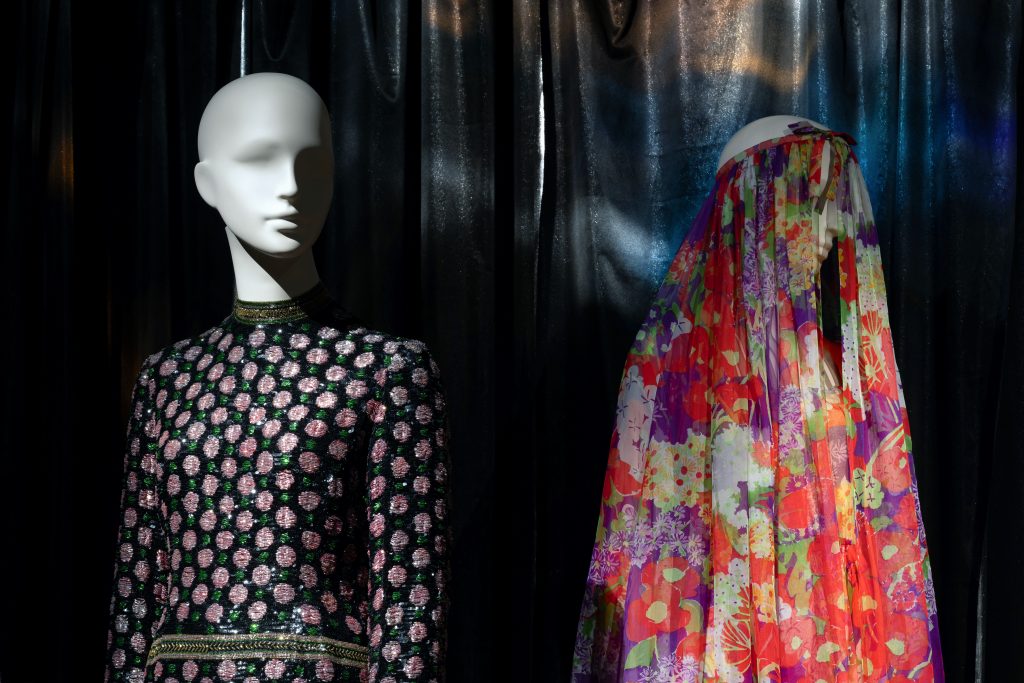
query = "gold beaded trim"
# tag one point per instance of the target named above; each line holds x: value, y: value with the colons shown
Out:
x: 283, y: 310
x: 263, y: 645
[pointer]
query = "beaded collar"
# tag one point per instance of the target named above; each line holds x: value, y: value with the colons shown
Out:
x: 304, y: 305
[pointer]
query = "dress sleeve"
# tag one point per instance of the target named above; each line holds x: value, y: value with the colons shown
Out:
x: 407, y: 481
x: 139, y: 595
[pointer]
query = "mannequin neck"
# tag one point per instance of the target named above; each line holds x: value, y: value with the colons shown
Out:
x: 259, y: 277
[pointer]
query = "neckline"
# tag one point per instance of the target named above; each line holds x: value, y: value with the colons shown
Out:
x: 307, y: 304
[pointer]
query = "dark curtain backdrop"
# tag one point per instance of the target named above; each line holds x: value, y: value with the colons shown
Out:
x: 513, y: 179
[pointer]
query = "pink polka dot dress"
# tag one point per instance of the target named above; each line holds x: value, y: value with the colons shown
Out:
x: 284, y: 505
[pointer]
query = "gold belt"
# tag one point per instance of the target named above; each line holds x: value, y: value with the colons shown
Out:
x: 264, y: 645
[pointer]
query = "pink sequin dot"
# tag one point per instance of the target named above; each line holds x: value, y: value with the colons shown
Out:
x: 413, y: 667
x: 264, y: 537
x: 310, y: 614
x: 324, y: 669
x: 396, y: 576
x: 391, y: 650
x: 310, y: 540
x: 191, y: 465
x: 257, y: 610
x: 205, y: 557
x: 379, y: 449
x: 284, y: 593
x: 264, y: 462
x: 346, y: 417
x: 376, y: 410
x: 309, y: 461
x: 417, y: 632
x: 378, y: 560
x: 419, y: 595
x: 238, y: 594
x: 316, y: 428
x: 421, y: 523
x: 309, y: 384
x: 399, y: 505
x: 219, y: 578
x: 285, y: 556
x: 309, y: 500
x: 189, y: 669
x: 244, y: 521
x: 402, y: 431
x: 246, y: 484
x: 399, y: 540
x: 214, y: 612
x: 353, y: 625
x: 399, y: 467
x: 377, y: 525
x: 264, y: 500
x: 420, y: 558
x: 356, y: 389
x: 296, y: 413
x: 199, y: 593
x: 285, y: 517
x: 287, y: 442
x: 241, y: 557
x: 226, y: 669
x: 274, y: 669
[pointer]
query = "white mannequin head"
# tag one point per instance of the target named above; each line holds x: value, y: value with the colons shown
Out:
x: 265, y: 152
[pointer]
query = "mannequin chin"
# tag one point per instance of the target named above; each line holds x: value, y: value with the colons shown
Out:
x: 267, y: 166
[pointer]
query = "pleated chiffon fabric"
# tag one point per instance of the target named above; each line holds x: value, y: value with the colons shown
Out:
x: 742, y: 536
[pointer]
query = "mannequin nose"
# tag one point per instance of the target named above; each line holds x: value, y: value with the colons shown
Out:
x: 288, y: 185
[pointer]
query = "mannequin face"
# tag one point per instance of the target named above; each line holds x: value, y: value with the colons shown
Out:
x: 266, y: 162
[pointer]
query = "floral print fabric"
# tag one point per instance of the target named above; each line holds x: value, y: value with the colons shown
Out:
x: 752, y: 527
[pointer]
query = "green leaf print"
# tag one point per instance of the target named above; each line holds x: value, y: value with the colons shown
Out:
x: 641, y: 654
x: 867, y: 489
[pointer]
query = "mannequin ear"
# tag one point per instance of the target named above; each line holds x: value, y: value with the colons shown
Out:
x: 204, y: 183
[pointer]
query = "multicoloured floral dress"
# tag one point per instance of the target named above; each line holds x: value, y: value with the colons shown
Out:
x: 756, y: 525
x: 284, y: 506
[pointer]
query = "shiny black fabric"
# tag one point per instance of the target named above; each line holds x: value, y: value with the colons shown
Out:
x: 512, y: 178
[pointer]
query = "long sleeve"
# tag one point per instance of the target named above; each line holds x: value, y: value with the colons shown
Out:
x: 409, y: 537
x: 139, y: 594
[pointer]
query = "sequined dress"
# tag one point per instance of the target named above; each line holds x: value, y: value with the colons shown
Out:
x: 284, y: 505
